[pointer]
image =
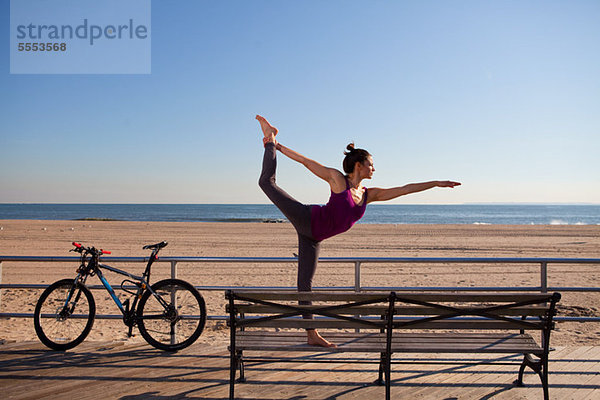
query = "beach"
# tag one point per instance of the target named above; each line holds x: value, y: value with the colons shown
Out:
x: 204, y: 239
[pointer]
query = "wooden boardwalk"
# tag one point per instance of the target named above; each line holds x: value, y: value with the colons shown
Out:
x: 126, y: 371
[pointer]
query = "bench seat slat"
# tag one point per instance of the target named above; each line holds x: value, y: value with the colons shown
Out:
x: 361, y: 348
x: 396, y: 339
x: 334, y: 335
x: 518, y: 343
x: 421, y: 336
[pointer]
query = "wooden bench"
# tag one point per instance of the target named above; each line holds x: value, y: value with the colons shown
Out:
x: 392, y: 322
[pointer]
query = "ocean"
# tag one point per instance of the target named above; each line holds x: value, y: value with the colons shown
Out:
x: 375, y: 214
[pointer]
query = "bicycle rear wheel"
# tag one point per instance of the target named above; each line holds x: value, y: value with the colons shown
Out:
x: 175, y: 322
x: 64, y: 314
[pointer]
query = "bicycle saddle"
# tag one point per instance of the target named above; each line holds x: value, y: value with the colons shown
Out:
x: 155, y: 246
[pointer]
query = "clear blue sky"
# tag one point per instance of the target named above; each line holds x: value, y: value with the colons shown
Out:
x: 503, y: 96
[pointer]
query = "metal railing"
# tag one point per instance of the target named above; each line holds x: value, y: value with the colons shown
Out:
x: 543, y: 263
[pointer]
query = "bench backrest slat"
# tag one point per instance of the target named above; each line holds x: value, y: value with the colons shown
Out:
x: 311, y: 296
x: 382, y: 309
x: 504, y: 297
x: 326, y: 323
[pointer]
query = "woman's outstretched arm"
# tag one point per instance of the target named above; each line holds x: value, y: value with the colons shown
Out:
x: 330, y: 175
x: 379, y: 194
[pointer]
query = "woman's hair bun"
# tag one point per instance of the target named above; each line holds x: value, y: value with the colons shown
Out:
x: 354, y: 155
x: 350, y: 149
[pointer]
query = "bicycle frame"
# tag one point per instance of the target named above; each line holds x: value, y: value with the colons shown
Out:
x: 142, y: 282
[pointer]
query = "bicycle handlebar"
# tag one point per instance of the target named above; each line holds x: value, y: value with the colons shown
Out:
x: 81, y: 249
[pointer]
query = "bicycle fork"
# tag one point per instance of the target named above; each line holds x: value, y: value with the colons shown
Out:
x: 70, y: 303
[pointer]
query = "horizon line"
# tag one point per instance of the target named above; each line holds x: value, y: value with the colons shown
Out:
x: 379, y: 204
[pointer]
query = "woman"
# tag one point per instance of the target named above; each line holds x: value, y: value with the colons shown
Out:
x: 345, y: 206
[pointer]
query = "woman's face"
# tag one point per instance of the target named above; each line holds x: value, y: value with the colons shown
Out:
x: 366, y: 169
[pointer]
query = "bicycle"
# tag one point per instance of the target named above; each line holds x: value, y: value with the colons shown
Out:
x: 170, y: 314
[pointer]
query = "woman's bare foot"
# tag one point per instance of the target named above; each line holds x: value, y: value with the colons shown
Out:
x: 268, y: 130
x: 314, y: 339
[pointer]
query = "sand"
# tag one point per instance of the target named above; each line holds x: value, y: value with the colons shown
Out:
x: 125, y: 239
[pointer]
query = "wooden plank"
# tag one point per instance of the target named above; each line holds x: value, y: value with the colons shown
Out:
x: 274, y: 337
x: 275, y: 341
x: 476, y: 347
x: 382, y: 310
x: 407, y: 334
x: 303, y: 347
x: 331, y: 323
x: 299, y: 323
x: 396, y: 338
x: 577, y: 379
x: 312, y: 296
x: 466, y: 324
x: 29, y: 371
x: 442, y: 379
x: 400, y: 296
x: 376, y: 348
x: 496, y: 378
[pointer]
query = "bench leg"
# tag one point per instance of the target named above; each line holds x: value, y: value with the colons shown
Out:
x: 232, y: 368
x: 236, y: 361
x: 544, y: 376
x: 240, y: 362
x: 519, y: 381
x: 540, y: 367
x: 379, y: 380
x: 388, y: 376
x: 529, y: 361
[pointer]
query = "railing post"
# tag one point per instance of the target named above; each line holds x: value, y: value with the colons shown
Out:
x: 0, y: 284
x: 544, y: 277
x: 357, y: 285
x: 173, y: 269
x: 174, y: 300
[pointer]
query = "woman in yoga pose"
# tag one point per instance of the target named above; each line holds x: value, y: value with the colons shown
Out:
x: 345, y: 206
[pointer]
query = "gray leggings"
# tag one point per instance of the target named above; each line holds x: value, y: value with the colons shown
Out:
x: 298, y: 214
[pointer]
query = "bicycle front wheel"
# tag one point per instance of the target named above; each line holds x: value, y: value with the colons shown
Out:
x: 172, y: 317
x: 64, y: 314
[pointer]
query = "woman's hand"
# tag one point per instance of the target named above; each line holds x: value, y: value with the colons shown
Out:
x: 449, y: 184
x: 379, y: 194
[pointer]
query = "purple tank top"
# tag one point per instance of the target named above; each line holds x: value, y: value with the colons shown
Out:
x: 337, y: 216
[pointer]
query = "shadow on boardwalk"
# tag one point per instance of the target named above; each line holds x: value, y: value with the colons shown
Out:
x: 131, y: 372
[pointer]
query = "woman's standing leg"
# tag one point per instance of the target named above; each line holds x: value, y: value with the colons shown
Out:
x: 308, y: 256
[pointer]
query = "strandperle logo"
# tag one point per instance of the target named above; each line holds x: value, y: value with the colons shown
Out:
x: 84, y: 31
x: 80, y: 36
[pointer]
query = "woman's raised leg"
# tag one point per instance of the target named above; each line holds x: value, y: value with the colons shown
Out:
x: 297, y: 213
